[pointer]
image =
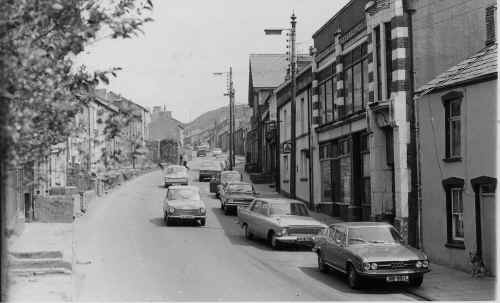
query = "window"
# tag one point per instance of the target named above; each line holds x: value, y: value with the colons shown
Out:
x: 321, y: 96
x: 355, y: 80
x: 302, y: 116
x: 379, y: 62
x: 454, y: 212
x: 457, y: 214
x: 389, y: 146
x: 328, y: 101
x: 264, y: 209
x: 339, y: 236
x: 388, y: 57
x: 453, y: 133
x: 285, y: 118
x: 285, y: 162
x: 304, y: 167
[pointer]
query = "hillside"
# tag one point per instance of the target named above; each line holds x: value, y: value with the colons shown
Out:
x: 206, y: 120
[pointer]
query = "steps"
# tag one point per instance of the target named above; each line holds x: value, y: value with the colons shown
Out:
x: 38, y: 262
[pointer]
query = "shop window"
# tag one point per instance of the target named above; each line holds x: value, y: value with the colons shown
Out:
x: 355, y: 80
x: 453, y: 133
x: 454, y: 212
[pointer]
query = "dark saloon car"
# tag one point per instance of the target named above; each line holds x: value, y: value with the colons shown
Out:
x: 225, y: 177
x: 369, y: 250
x: 209, y: 170
x: 236, y: 194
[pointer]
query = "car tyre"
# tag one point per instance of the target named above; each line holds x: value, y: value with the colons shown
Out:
x: 168, y: 221
x: 203, y: 222
x: 273, y: 241
x: 248, y: 234
x: 321, y: 263
x: 353, y: 278
x: 416, y: 281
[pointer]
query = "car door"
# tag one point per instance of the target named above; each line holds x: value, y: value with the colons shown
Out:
x: 338, y: 247
x: 261, y: 218
x: 252, y: 217
x: 328, y: 245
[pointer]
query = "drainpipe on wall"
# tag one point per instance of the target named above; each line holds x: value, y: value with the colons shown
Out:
x: 311, y: 176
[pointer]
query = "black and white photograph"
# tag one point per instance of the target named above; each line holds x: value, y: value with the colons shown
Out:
x: 235, y: 150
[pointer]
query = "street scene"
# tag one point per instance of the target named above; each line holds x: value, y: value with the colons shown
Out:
x: 248, y: 151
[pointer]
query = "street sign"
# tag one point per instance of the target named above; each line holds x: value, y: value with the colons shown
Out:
x: 286, y: 148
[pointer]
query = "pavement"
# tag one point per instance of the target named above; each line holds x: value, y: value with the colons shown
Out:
x: 441, y: 284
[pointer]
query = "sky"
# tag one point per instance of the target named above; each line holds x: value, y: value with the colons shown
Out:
x: 173, y: 62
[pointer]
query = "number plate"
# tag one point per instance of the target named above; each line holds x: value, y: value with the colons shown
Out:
x: 187, y: 217
x: 397, y: 278
x: 304, y: 238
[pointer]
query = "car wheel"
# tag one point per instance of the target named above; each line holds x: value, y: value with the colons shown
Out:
x: 416, y: 281
x: 321, y: 263
x: 168, y: 221
x: 248, y: 234
x: 273, y: 241
x: 203, y: 222
x: 353, y: 278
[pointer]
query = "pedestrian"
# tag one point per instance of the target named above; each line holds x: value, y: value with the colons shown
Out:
x: 185, y: 163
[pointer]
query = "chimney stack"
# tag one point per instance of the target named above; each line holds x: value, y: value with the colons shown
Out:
x: 491, y: 16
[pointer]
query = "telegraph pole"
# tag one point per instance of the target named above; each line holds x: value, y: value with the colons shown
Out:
x: 231, y: 120
x: 293, y: 170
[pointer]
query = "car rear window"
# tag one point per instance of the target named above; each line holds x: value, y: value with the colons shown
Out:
x: 373, y: 234
x: 183, y: 194
x: 289, y: 209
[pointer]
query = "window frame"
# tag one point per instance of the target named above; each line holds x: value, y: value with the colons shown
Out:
x: 448, y: 100
x: 357, y: 56
x: 450, y: 185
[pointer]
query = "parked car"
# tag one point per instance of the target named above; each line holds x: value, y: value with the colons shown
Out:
x: 369, y: 250
x: 209, y: 170
x: 236, y: 194
x: 176, y: 175
x: 216, y: 151
x: 184, y: 203
x: 225, y: 177
x: 201, y: 153
x: 279, y: 221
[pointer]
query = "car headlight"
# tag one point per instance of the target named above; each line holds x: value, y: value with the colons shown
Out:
x: 373, y: 266
x: 171, y: 210
x: 202, y: 210
x: 366, y: 266
x: 283, y: 232
x: 425, y: 263
x: 418, y: 264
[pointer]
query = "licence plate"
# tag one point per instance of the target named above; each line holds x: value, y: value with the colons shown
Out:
x: 397, y: 278
x: 304, y: 238
x: 187, y: 217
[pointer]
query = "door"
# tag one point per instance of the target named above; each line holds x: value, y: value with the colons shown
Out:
x: 262, y: 220
x: 252, y: 217
x: 488, y: 234
x: 329, y: 246
x: 337, y: 245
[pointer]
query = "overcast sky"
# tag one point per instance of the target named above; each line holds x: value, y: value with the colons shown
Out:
x: 172, y: 64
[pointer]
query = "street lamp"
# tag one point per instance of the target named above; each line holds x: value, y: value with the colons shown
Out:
x: 292, y: 59
x: 230, y: 93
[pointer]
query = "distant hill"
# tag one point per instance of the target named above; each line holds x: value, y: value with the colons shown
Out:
x: 206, y: 120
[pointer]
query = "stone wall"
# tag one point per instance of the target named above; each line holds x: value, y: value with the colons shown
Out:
x: 58, y: 208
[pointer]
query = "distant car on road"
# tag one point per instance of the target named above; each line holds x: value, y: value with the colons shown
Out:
x: 369, y: 250
x: 225, y: 177
x: 201, y: 153
x: 209, y: 170
x: 217, y: 151
x: 279, y: 221
x: 236, y: 194
x: 184, y: 203
x: 176, y: 175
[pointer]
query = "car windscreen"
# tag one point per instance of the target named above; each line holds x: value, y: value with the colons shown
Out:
x: 183, y: 194
x: 373, y: 234
x: 240, y: 188
x: 175, y: 169
x: 289, y: 209
x: 230, y: 177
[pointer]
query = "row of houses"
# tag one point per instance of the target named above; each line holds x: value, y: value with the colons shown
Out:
x: 395, y: 121
x: 77, y: 164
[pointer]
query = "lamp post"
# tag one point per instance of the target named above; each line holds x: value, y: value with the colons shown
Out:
x: 292, y: 59
x: 230, y: 93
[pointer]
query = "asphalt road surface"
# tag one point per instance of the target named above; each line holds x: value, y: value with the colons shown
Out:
x: 124, y: 252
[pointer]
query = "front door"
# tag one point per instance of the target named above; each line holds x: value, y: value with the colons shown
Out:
x: 488, y: 234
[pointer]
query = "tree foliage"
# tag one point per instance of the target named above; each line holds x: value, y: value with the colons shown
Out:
x: 40, y: 88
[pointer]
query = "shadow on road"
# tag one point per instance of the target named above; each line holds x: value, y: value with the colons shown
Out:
x: 159, y: 222
x: 340, y: 281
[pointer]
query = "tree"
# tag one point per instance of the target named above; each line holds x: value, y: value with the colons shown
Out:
x: 40, y: 89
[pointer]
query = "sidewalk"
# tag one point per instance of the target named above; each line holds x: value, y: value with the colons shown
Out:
x: 442, y: 283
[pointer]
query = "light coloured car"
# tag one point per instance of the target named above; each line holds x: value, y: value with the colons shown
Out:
x: 176, y: 175
x: 184, y: 203
x: 216, y: 151
x: 369, y: 250
x: 279, y: 221
x: 209, y: 169
x: 226, y: 177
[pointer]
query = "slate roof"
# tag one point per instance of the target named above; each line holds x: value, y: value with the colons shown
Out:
x: 268, y: 70
x: 482, y: 64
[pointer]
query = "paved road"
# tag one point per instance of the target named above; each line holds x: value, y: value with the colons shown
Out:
x: 123, y: 251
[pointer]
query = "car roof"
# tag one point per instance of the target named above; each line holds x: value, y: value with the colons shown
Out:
x: 280, y: 200
x: 361, y: 224
x: 183, y: 186
x: 238, y: 182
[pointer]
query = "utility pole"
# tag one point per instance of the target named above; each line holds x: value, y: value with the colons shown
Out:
x: 230, y: 93
x: 293, y: 157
